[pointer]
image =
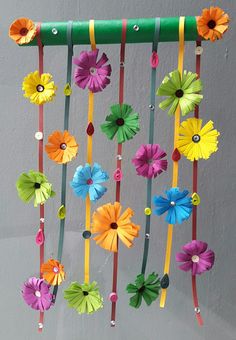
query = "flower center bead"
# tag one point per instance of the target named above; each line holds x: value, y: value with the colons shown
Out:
x: 63, y: 146
x: 196, y: 138
x: 172, y: 203
x: 141, y: 289
x: 56, y: 270
x: 179, y: 93
x: 37, y: 293
x: 89, y: 181
x: 149, y: 161
x: 120, y: 121
x: 24, y: 31
x: 211, y: 24
x: 113, y: 225
x: 37, y: 185
x: 92, y: 70
x: 85, y: 293
x: 40, y: 88
x: 195, y: 258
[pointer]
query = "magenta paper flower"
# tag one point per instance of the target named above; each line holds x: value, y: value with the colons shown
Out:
x: 90, y: 72
x: 196, y: 257
x: 148, y: 160
x: 36, y: 294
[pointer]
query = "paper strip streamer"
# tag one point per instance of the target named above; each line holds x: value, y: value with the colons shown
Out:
x: 64, y: 166
x: 150, y: 141
x: 175, y: 162
x: 118, y: 166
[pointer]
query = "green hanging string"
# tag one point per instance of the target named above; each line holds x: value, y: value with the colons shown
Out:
x: 64, y: 166
x: 150, y: 141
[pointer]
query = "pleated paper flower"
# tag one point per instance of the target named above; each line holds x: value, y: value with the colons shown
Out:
x: 53, y: 272
x: 36, y: 294
x: 92, y: 73
x: 147, y: 289
x: 61, y: 147
x: 34, y: 185
x: 39, y: 89
x: 196, y: 257
x: 148, y: 160
x: 87, y: 181
x: 108, y: 222
x: 122, y: 121
x: 177, y: 203
x: 84, y: 298
x: 196, y: 142
x: 22, y: 31
x: 184, y: 92
x: 213, y: 23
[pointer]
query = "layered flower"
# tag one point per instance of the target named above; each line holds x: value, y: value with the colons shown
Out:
x: 213, y: 23
x: 87, y: 181
x: 92, y: 73
x: 53, y: 272
x: 122, y: 121
x: 149, y: 161
x: 196, y: 142
x: 177, y: 204
x: 196, y: 257
x: 39, y: 88
x: 84, y: 298
x: 144, y: 289
x: 184, y: 92
x: 110, y: 225
x: 22, y: 31
x: 61, y: 147
x: 34, y: 185
x: 36, y: 294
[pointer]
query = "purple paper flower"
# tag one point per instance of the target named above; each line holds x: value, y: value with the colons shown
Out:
x: 196, y: 257
x: 36, y: 294
x: 148, y: 160
x: 90, y: 72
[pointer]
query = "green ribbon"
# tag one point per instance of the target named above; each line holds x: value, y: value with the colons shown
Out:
x: 150, y: 141
x: 64, y: 166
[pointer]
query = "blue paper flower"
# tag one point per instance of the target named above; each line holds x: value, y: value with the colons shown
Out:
x: 178, y: 205
x: 87, y: 180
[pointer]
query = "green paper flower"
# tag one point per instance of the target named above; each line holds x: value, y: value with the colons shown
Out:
x: 122, y: 121
x: 184, y: 92
x: 34, y: 185
x: 84, y: 298
x: 148, y: 289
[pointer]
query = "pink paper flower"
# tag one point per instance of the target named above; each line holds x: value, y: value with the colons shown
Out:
x: 196, y: 257
x: 90, y: 72
x: 36, y: 294
x: 148, y: 160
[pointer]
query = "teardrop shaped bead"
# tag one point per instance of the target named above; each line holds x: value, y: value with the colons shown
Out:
x: 165, y: 281
x: 176, y: 155
x: 61, y: 213
x: 118, y: 175
x: 154, y: 60
x: 67, y: 90
x: 195, y: 199
x: 39, y: 237
x: 90, y: 129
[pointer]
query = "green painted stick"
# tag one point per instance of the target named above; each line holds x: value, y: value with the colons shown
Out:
x: 109, y: 31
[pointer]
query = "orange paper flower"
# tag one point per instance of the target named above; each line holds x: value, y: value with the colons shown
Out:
x: 61, y: 147
x: 22, y: 30
x: 110, y: 225
x: 213, y: 23
x: 53, y: 272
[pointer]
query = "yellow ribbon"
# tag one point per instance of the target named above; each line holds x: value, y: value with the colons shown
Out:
x: 175, y: 164
x: 89, y: 160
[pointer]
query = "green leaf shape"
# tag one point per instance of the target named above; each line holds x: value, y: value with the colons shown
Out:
x: 84, y: 304
x: 148, y: 289
x: 189, y: 84
x: 126, y: 131
x: 26, y: 186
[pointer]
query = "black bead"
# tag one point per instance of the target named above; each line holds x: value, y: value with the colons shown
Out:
x: 86, y: 234
x: 165, y: 281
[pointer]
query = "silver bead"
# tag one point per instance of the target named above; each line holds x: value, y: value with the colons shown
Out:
x: 196, y: 138
x: 151, y: 107
x: 119, y: 157
x: 136, y: 28
x: 198, y: 50
x: 54, y: 31
x: 42, y: 220
x: 38, y: 135
x: 122, y: 64
x: 172, y: 203
x: 40, y: 325
x: 113, y: 323
x: 197, y: 310
x: 147, y: 236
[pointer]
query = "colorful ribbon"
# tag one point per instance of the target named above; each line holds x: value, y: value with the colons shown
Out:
x: 175, y: 163
x: 64, y: 166
x: 194, y: 211
x: 150, y: 141
x: 118, y: 165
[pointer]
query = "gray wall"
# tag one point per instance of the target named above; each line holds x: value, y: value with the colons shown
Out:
x: 18, y: 253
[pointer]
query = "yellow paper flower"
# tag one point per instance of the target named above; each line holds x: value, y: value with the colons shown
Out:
x: 39, y: 89
x: 196, y: 142
x: 22, y: 31
x: 213, y: 23
x: 53, y: 272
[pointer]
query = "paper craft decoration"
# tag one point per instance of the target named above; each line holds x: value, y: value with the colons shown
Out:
x: 53, y: 272
x: 22, y: 31
x: 36, y: 294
